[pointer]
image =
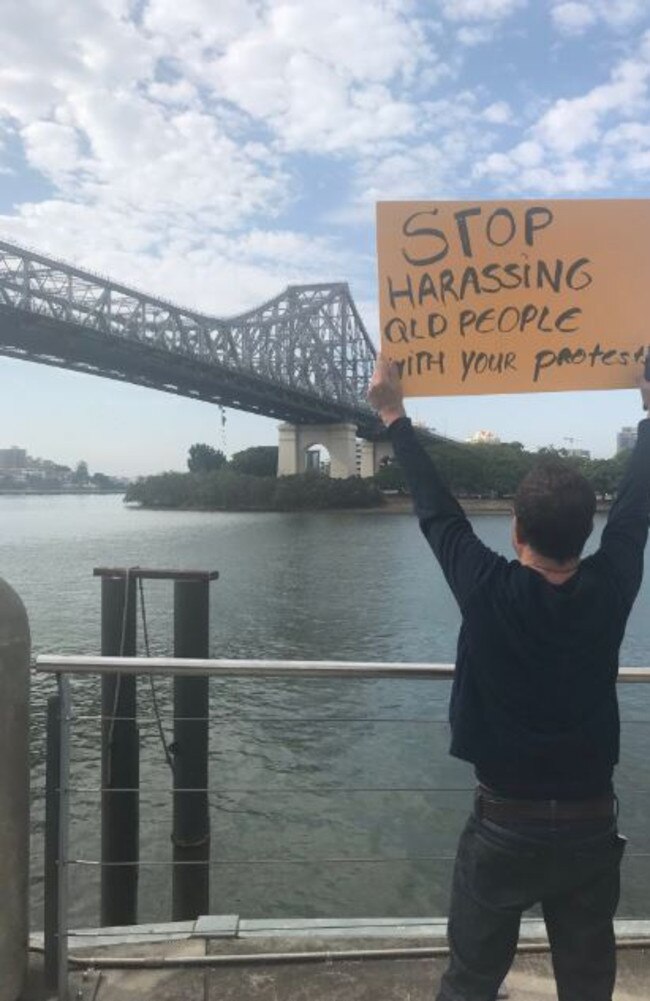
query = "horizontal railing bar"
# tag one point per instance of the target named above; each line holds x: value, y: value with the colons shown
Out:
x: 317, y: 860
x: 85, y: 665
x: 235, y: 717
x: 262, y: 790
x: 46, y: 664
x: 143, y: 573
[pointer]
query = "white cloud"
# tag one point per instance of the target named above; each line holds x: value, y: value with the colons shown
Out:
x: 171, y: 137
x: 200, y: 21
x: 583, y: 143
x: 93, y: 119
x: 478, y: 20
x: 218, y: 273
x: 480, y: 10
x: 181, y: 93
x: 51, y: 148
x: 436, y: 166
x: 499, y: 113
x: 324, y: 76
x: 475, y: 34
x: 50, y: 47
x: 570, y: 124
x: 574, y: 17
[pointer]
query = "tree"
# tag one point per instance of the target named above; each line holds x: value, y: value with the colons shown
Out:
x: 81, y: 475
x: 390, y: 476
x: 102, y: 481
x: 260, y: 460
x: 205, y: 459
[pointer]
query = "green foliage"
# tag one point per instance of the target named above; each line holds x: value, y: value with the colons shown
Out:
x: 226, y: 490
x: 205, y: 459
x: 104, y: 482
x: 81, y: 475
x: 248, y: 482
x: 164, y: 490
x: 391, y: 477
x: 311, y: 491
x: 260, y: 460
x: 495, y: 470
x: 605, y: 474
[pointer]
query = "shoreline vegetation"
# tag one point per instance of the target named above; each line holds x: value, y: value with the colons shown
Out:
x: 484, y: 477
x: 225, y: 490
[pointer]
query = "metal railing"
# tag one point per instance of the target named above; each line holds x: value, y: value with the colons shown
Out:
x: 58, y: 860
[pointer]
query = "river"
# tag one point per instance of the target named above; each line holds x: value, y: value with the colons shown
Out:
x: 355, y: 586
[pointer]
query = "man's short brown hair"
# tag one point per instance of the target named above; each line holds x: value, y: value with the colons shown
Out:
x: 555, y: 507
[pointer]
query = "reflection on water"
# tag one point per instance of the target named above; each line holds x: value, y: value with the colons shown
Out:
x: 330, y: 586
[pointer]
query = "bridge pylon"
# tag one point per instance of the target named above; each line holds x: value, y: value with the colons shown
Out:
x: 373, y: 454
x: 295, y: 440
x: 348, y: 455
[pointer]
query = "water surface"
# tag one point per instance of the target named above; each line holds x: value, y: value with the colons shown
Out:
x: 314, y: 586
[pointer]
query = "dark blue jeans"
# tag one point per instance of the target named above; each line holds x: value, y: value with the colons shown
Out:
x: 572, y: 869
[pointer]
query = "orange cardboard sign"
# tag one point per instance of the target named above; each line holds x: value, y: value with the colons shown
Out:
x: 514, y: 297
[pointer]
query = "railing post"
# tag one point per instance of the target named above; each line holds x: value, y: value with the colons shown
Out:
x: 51, y: 867
x: 14, y: 794
x: 120, y: 757
x: 63, y: 839
x: 191, y: 831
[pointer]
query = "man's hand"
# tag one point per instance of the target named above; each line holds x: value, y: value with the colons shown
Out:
x: 644, y: 384
x: 385, y: 391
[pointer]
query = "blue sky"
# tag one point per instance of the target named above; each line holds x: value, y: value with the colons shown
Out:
x: 213, y: 153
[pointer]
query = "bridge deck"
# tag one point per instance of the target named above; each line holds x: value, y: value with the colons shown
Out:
x: 304, y: 357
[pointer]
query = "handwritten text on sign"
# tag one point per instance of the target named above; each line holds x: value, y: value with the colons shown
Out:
x: 513, y: 297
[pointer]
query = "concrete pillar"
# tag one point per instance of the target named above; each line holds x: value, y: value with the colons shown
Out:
x: 294, y: 441
x: 372, y: 454
x: 288, y: 450
x: 340, y: 440
x: 14, y: 793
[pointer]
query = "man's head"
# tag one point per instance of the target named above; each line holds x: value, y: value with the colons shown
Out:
x: 554, y: 511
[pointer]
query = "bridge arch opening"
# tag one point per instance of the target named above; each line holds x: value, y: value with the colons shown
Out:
x: 336, y: 441
x: 317, y: 459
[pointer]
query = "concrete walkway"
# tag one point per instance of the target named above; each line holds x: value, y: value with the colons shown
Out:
x: 334, y: 980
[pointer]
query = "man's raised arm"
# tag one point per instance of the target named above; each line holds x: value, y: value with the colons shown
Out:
x: 462, y: 556
x: 626, y: 532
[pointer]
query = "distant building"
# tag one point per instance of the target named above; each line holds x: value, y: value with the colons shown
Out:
x: 484, y: 438
x: 579, y: 453
x: 13, y: 458
x: 625, y: 439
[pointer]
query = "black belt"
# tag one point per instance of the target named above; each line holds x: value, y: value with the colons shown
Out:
x: 496, y: 808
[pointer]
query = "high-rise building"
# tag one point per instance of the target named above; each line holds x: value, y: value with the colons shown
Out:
x: 13, y: 458
x: 625, y: 439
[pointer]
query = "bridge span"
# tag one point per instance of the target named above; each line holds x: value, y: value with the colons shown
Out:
x: 304, y: 358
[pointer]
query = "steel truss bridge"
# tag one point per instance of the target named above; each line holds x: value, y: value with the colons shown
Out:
x: 304, y: 357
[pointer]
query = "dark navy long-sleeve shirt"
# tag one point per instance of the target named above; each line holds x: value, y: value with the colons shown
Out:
x: 533, y: 704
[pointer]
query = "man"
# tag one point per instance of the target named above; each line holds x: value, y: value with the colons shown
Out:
x: 534, y: 709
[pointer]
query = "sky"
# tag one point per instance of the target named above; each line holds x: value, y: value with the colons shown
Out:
x: 213, y: 153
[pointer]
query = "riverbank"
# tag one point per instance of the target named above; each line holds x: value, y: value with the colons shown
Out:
x: 4, y: 492
x: 391, y: 504
x: 401, y: 504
